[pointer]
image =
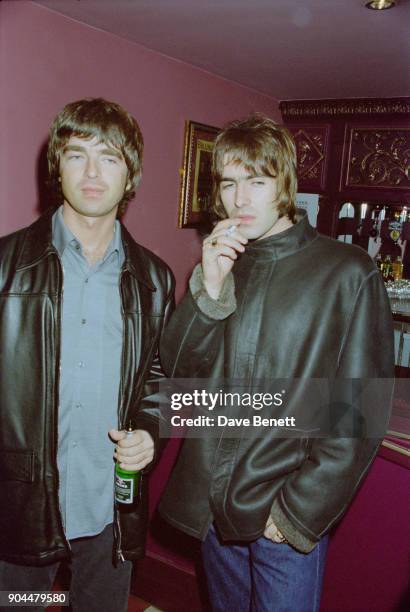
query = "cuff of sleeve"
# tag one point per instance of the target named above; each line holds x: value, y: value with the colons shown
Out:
x: 218, y: 309
x: 294, y: 537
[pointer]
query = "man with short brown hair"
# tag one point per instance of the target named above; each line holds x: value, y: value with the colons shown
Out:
x: 82, y: 307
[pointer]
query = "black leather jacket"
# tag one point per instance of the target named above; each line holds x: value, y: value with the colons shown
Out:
x: 31, y: 530
x: 307, y: 307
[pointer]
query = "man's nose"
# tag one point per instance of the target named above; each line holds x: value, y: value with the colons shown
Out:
x: 92, y: 168
x: 242, y: 195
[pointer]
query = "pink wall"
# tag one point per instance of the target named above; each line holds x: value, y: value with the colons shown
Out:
x: 47, y: 60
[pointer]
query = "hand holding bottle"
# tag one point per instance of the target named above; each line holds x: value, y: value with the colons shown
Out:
x: 135, y: 451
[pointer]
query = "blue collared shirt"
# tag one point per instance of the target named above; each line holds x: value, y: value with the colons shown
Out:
x: 91, y: 349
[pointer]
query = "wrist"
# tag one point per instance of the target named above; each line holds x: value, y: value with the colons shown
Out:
x: 213, y: 289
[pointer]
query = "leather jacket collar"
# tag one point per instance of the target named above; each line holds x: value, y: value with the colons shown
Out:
x: 287, y: 242
x: 38, y: 245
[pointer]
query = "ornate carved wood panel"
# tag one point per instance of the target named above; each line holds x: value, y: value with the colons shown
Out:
x: 377, y: 157
x: 366, y: 153
x: 318, y: 109
x: 311, y: 146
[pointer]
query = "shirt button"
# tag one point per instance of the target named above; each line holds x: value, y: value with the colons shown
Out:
x: 83, y: 321
x: 81, y: 364
x: 74, y: 444
x: 86, y: 280
x: 77, y: 247
x: 79, y: 405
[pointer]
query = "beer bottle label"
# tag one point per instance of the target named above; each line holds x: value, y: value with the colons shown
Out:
x: 395, y: 228
x: 124, y: 489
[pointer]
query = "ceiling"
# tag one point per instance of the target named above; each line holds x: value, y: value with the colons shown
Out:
x: 288, y: 49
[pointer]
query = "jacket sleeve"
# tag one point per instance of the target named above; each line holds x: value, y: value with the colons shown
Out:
x: 149, y: 408
x: 315, y: 497
x: 195, y: 331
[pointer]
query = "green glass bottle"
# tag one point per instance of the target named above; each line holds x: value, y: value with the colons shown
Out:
x: 387, y: 270
x: 126, y: 481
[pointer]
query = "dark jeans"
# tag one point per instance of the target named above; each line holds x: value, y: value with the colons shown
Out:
x: 262, y: 576
x: 96, y: 585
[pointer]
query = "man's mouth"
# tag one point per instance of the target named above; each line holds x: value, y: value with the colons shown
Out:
x: 92, y: 192
x: 246, y: 218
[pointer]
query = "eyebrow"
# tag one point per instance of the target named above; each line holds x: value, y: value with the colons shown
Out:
x: 106, y: 151
x: 247, y: 177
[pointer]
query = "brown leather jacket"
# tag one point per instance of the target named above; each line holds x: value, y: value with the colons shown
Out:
x: 31, y: 530
x: 307, y: 307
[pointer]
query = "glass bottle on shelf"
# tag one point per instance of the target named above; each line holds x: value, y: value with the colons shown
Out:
x: 387, y: 269
x: 397, y: 268
x: 379, y: 261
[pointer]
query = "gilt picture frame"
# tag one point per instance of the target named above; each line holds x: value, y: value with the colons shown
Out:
x: 196, y: 178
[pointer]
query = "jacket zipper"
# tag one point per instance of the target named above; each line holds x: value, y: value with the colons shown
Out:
x: 119, y: 552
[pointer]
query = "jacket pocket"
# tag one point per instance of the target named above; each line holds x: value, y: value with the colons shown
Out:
x: 17, y: 465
